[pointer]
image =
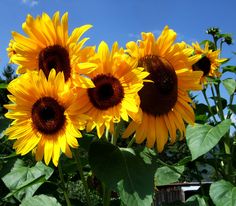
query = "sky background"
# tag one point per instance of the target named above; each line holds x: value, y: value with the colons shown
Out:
x: 124, y: 20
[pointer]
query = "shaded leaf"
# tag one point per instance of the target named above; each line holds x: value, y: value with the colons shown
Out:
x: 202, y: 138
x: 105, y: 160
x: 40, y: 200
x: 230, y: 85
x: 223, y: 193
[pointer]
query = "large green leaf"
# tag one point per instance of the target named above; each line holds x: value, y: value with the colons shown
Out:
x: 136, y: 189
x: 202, y: 138
x: 105, y: 160
x: 166, y: 175
x: 223, y: 193
x: 230, y: 85
x: 24, y: 181
x: 115, y: 166
x: 40, y: 200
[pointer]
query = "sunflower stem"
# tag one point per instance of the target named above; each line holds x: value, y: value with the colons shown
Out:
x: 116, y: 134
x: 80, y: 169
x: 106, y: 195
x: 63, y: 185
x: 208, y: 104
x: 219, y: 102
x: 131, y: 142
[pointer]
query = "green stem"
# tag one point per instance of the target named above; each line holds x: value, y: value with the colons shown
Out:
x: 230, y: 103
x: 116, y: 133
x: 208, y: 104
x: 106, y: 195
x: 80, y: 169
x: 131, y: 142
x: 63, y: 185
x: 219, y: 102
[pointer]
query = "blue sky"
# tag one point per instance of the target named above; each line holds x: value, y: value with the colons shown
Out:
x: 124, y: 20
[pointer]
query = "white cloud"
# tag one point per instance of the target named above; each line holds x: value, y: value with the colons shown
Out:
x: 30, y: 3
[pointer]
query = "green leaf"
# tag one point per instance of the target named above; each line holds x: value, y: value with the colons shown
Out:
x: 198, y: 199
x: 123, y: 167
x: 167, y: 175
x: 230, y: 85
x: 223, y: 193
x: 40, y: 200
x: 229, y: 69
x: 233, y: 108
x: 202, y: 138
x: 3, y: 85
x: 24, y: 181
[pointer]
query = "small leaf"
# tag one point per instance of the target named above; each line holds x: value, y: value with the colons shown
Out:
x: 40, y: 200
x: 229, y: 69
x: 167, y: 175
x: 223, y: 193
x: 202, y: 138
x: 196, y: 200
x: 233, y: 108
x: 3, y: 85
x: 230, y: 85
x: 21, y: 179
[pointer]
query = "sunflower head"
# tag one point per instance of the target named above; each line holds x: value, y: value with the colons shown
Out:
x: 164, y: 99
x: 209, y: 61
x: 47, y: 122
x: 47, y: 45
x: 115, y: 93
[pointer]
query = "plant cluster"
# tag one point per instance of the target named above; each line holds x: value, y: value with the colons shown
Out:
x: 83, y: 125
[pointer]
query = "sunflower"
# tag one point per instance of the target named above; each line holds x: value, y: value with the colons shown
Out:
x: 209, y: 61
x: 165, y: 103
x: 48, y: 45
x: 115, y: 95
x: 47, y: 121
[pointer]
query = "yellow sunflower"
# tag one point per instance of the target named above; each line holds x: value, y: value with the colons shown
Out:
x: 48, y: 45
x: 165, y: 103
x: 209, y: 61
x: 115, y: 94
x: 46, y: 116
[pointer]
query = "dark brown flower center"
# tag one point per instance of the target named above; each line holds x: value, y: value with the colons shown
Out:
x: 108, y: 92
x: 204, y: 64
x: 48, y: 115
x: 55, y: 57
x: 158, y: 97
